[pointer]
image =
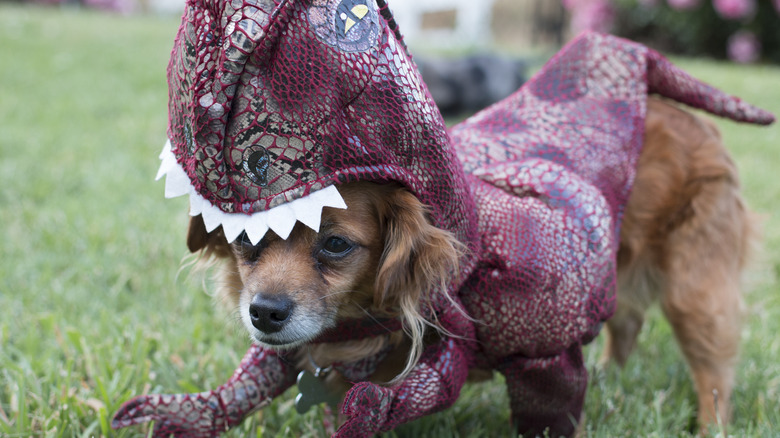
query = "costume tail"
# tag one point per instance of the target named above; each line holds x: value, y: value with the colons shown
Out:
x: 668, y: 80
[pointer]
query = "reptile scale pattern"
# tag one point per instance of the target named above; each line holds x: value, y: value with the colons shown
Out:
x: 273, y: 100
x: 261, y: 376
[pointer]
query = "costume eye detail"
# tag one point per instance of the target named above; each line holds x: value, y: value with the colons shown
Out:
x: 336, y: 247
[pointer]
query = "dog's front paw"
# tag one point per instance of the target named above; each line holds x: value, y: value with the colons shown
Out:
x: 366, y: 407
x: 180, y: 415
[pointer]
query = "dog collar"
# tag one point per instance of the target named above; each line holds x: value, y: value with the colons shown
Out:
x: 354, y: 329
x: 313, y: 391
x: 311, y: 388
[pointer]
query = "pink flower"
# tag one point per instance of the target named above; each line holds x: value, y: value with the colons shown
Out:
x: 735, y: 9
x: 682, y: 5
x: 777, y: 6
x: 744, y: 47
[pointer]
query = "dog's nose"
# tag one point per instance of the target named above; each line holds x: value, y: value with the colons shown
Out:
x: 270, y: 313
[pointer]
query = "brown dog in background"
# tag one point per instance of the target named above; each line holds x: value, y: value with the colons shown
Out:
x: 684, y: 242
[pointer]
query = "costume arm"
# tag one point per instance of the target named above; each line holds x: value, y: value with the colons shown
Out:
x: 261, y: 376
x: 433, y: 384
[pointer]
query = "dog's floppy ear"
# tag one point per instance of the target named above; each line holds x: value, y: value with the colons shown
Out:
x: 418, y: 258
x: 198, y: 239
x: 418, y: 262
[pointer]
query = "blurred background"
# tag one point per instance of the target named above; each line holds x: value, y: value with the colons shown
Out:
x: 740, y: 30
x: 490, y: 44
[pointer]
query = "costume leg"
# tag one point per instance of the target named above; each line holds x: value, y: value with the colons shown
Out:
x: 261, y: 376
x: 546, y: 393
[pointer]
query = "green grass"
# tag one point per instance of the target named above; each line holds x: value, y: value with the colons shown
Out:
x: 92, y: 310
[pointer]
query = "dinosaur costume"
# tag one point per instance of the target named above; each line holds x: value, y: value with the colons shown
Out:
x: 273, y: 103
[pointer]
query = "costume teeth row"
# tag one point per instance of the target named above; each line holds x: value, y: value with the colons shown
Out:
x: 281, y: 219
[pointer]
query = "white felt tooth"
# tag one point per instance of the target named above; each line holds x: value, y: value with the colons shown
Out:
x: 281, y: 219
x: 256, y: 227
x: 211, y: 217
x: 196, y: 203
x: 233, y: 224
x: 168, y: 161
x: 308, y: 214
x: 165, y: 166
x: 161, y: 171
x: 330, y: 197
x: 177, y: 183
x: 167, y: 149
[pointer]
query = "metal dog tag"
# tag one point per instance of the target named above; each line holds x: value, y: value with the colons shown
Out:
x: 311, y: 392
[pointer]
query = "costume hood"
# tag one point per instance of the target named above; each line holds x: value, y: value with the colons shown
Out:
x: 272, y: 102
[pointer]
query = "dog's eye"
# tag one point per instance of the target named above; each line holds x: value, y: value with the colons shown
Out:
x: 246, y: 249
x: 336, y: 247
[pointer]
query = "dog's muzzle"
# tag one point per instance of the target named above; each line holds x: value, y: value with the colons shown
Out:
x: 270, y: 313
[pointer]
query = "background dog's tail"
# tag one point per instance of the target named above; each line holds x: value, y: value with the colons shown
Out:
x: 668, y: 80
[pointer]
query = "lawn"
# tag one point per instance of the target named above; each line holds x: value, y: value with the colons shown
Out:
x: 94, y: 307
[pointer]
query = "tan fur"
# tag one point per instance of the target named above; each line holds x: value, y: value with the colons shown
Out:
x: 683, y: 242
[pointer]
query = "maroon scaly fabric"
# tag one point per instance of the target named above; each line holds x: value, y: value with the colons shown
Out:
x: 261, y: 376
x: 274, y: 102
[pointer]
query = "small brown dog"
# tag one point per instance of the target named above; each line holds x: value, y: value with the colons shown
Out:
x: 684, y: 242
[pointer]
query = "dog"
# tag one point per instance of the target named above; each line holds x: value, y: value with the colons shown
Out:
x: 493, y: 245
x: 684, y: 241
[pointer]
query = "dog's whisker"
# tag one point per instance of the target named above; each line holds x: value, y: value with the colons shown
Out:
x: 332, y: 294
x: 368, y: 314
